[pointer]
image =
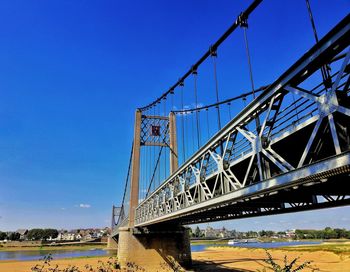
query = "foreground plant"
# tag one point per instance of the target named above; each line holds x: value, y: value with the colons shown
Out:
x: 111, y: 265
x: 287, y: 266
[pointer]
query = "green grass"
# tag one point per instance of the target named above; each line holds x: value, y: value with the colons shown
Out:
x: 337, y: 248
x: 208, y: 242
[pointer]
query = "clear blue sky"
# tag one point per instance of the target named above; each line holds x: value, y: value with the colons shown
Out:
x: 72, y: 74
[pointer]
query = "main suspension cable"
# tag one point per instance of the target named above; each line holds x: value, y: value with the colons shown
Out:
x: 127, y: 177
x: 244, y: 95
x: 227, y: 33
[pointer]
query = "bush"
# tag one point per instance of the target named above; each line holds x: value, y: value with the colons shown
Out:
x: 111, y: 265
x: 287, y: 266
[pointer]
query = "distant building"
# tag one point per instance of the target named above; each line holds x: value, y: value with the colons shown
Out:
x: 66, y: 236
x: 23, y: 233
x: 224, y: 233
x: 209, y: 232
x: 81, y: 234
x: 290, y: 233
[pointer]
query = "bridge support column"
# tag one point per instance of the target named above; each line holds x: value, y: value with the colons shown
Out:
x: 135, y: 168
x: 174, y: 163
x: 161, y: 249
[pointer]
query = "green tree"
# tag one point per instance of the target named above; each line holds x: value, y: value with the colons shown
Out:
x: 197, y: 232
x: 14, y: 236
x: 329, y: 233
x: 252, y: 234
x: 49, y: 233
x: 270, y: 233
x: 3, y: 235
x: 262, y: 233
x: 35, y: 234
x: 340, y: 233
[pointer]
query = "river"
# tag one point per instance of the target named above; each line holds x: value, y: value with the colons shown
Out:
x: 27, y: 255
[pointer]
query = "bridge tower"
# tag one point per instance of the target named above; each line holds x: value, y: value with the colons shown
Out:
x: 162, y: 244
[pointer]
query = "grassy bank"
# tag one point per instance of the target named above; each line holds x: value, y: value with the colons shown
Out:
x: 342, y: 248
x: 339, y: 248
x: 208, y: 242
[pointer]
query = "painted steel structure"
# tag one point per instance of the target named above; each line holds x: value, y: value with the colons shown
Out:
x: 288, y: 150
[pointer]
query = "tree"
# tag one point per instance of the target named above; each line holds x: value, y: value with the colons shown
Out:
x: 197, y: 232
x: 341, y: 233
x: 35, y: 234
x: 3, y: 235
x: 262, y: 233
x: 47, y: 233
x: 234, y: 233
x: 270, y: 233
x: 42, y: 234
x: 252, y: 234
x: 329, y: 233
x: 14, y: 236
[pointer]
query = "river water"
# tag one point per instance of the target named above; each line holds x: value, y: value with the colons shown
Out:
x: 28, y: 255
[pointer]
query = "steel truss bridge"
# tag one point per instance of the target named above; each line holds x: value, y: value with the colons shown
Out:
x: 288, y: 150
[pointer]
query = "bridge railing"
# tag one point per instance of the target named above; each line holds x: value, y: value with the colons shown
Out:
x: 285, y: 107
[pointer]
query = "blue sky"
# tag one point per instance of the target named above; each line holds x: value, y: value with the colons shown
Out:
x: 72, y: 74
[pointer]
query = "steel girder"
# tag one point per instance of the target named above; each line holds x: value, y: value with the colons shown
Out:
x: 303, y: 138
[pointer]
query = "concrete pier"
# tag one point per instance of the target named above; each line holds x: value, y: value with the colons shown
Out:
x: 157, y: 249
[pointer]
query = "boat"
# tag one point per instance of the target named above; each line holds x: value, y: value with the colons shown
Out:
x: 232, y: 242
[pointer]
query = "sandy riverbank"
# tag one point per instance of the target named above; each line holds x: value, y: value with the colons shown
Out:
x: 25, y: 266
x: 245, y: 259
x: 219, y: 259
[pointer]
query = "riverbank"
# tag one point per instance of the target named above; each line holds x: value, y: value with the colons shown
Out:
x: 326, y: 257
x: 25, y: 266
x: 251, y: 259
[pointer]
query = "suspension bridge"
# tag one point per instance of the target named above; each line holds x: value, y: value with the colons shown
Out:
x: 286, y: 150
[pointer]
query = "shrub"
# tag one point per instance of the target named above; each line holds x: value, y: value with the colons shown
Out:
x: 287, y: 266
x: 111, y: 265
